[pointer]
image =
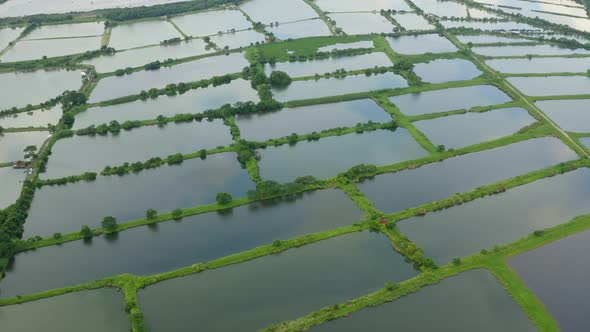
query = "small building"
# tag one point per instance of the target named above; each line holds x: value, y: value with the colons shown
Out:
x: 19, y: 164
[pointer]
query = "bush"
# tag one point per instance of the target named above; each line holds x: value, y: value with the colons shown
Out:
x: 223, y: 198
x: 109, y: 224
x: 456, y: 261
x: 390, y: 286
x: 177, y: 214
x: 151, y: 214
x: 86, y: 232
x: 57, y: 236
x: 277, y: 243
x: 280, y: 79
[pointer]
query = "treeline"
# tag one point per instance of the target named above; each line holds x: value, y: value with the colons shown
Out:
x: 268, y: 189
x: 316, y: 56
x: 154, y: 162
x: 12, y: 220
x: 88, y: 176
x: 68, y: 61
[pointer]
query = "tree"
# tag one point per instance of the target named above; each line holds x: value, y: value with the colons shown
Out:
x: 177, y: 214
x: 456, y: 261
x: 109, y: 224
x: 280, y: 79
x: 224, y: 198
x: 86, y: 232
x: 390, y: 286
x: 151, y: 214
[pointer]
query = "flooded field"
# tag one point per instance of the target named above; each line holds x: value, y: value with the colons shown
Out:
x: 212, y: 22
x: 26, y: 50
x: 551, y: 86
x: 367, y: 5
x: 195, y: 239
x: 338, y: 266
x: 412, y: 22
x: 571, y: 115
x: 138, y: 34
x: 475, y: 294
x: 308, y: 119
x: 449, y: 99
x: 362, y: 23
x: 398, y: 191
x: 490, y: 39
x: 441, y: 71
x: 238, y: 39
x: 524, y: 50
x: 301, y: 29
x: 67, y: 30
x: 37, y: 118
x: 332, y: 155
x: 282, y: 11
x: 540, y: 65
x: 421, y: 44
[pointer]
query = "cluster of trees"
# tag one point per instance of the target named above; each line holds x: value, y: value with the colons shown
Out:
x: 358, y: 171
x: 267, y: 189
x: 280, y: 79
x: 113, y: 127
x: 171, y: 41
x: 125, y: 71
x: 134, y: 13
x: 180, y: 88
x: 138, y: 166
x: 88, y: 176
x: 12, y: 220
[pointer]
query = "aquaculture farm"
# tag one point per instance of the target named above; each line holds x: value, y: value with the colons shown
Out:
x: 294, y: 165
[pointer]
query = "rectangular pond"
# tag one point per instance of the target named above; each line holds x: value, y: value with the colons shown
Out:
x: 41, y: 84
x: 552, y: 85
x: 96, y: 310
x: 362, y: 23
x: 211, y: 301
x: 476, y: 296
x: 326, y: 87
x: 418, y: 44
x: 332, y: 155
x: 282, y: 11
x: 449, y: 99
x: 445, y: 70
x: 519, y: 50
x: 300, y: 29
x: 195, y: 182
x: 12, y: 145
x: 570, y: 115
x: 173, y: 245
x: 36, y: 118
x: 490, y: 26
x: 412, y: 22
x: 192, y: 101
x: 540, y: 65
x: 395, y: 192
x: 466, y: 229
x: 124, y: 36
x: 142, y: 56
x: 11, y: 180
x: 563, y: 290
x: 490, y: 39
x: 67, y: 30
x: 79, y: 154
x: 473, y: 128
x: 330, y: 65
x: 235, y: 40
x: 442, y: 8
x: 210, y: 23
x: 366, y: 5
x: 120, y: 86
x: 26, y: 50
x: 308, y: 119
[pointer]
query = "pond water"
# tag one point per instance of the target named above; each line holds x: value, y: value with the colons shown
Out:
x: 585, y: 141
x: 31, y: 7
x: 500, y: 219
x: 338, y: 86
x: 79, y: 154
x: 476, y: 296
x: 141, y: 56
x: 419, y: 44
x: 172, y: 245
x: 195, y: 182
x: 442, y: 8
x: 92, y: 311
x: 552, y: 86
x: 37, y: 118
x: 362, y: 23
x: 398, y: 191
x: 449, y: 99
x: 332, y: 155
x: 411, y: 21
x: 307, y: 119
x: 11, y: 180
x: 444, y: 70
x: 120, y: 86
x: 42, y: 84
x: 481, y: 14
x: 531, y: 6
x: 210, y: 299
x: 570, y: 115
x: 282, y: 11
x: 347, y: 46
x: 366, y: 5
x: 490, y: 26
x: 211, y: 22
x: 473, y: 128
x: 518, y: 50
x: 581, y: 24
x: 36, y: 49
x: 192, y: 101
x: 563, y: 290
x: 7, y: 35
x: 238, y: 39
x: 67, y: 30
x: 489, y: 39
x: 12, y: 145
x: 142, y: 33
x: 302, y: 29
x: 540, y: 65
x: 329, y: 65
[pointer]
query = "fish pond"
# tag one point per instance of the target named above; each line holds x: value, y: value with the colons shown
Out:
x: 552, y: 85
x: 571, y: 115
x: 445, y: 70
x: 431, y: 43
